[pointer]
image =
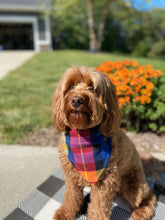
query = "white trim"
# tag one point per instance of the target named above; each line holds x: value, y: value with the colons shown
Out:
x: 24, y: 19
x: 48, y: 30
x: 36, y: 34
x: 17, y: 18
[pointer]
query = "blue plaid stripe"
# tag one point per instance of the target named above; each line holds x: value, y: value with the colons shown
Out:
x: 102, y: 153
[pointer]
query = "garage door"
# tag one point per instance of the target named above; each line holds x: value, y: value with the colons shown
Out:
x: 16, y: 37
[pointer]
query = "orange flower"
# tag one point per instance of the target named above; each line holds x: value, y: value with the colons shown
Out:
x: 132, y: 81
x: 150, y: 85
x: 137, y: 98
x: 137, y: 88
x: 134, y: 63
x: 145, y: 99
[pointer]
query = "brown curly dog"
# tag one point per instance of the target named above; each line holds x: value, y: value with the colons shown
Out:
x: 85, y: 99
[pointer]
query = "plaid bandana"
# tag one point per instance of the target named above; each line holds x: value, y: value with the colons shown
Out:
x: 89, y: 152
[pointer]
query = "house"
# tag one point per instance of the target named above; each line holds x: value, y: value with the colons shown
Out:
x: 24, y: 25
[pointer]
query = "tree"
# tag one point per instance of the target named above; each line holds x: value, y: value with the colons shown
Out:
x: 109, y: 25
x: 62, y: 7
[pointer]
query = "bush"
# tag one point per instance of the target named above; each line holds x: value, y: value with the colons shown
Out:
x: 140, y: 98
x: 158, y: 49
x: 141, y: 49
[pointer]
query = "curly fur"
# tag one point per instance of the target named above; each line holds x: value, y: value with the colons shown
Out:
x: 124, y: 174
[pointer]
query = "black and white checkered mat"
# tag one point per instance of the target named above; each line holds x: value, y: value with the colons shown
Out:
x: 43, y: 201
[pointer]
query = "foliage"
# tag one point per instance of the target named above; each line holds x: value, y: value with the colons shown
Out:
x: 69, y: 24
x: 131, y: 27
x: 137, y: 31
x: 158, y: 49
x: 139, y: 96
x: 127, y: 29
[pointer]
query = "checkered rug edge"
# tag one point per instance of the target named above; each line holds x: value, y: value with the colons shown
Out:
x: 43, y: 201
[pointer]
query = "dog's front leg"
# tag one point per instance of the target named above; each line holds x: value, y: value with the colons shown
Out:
x: 102, y: 195
x: 73, y: 200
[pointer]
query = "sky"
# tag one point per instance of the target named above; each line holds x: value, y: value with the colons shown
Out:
x: 158, y: 3
x: 141, y: 5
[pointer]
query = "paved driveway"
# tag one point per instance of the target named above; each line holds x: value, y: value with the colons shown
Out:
x: 10, y: 60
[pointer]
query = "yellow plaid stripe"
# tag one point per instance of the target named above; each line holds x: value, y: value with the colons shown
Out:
x: 64, y: 145
x: 99, y: 172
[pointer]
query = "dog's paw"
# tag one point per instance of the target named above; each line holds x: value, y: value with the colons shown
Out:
x: 62, y: 214
x: 59, y: 215
x: 141, y: 214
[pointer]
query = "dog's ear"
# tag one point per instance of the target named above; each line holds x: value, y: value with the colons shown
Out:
x: 112, y: 117
x: 58, y: 107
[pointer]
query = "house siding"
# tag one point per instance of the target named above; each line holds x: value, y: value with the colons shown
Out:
x: 24, y: 3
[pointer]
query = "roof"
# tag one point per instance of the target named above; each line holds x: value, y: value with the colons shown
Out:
x: 24, y: 5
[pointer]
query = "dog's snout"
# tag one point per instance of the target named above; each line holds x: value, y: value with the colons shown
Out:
x: 77, y: 101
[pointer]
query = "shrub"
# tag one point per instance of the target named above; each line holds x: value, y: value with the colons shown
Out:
x: 141, y: 48
x: 141, y: 102
x: 158, y: 49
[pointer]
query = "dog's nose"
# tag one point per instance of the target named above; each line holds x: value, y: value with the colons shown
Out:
x: 77, y: 101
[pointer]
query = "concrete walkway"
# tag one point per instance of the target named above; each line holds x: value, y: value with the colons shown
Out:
x: 22, y: 169
x: 10, y: 60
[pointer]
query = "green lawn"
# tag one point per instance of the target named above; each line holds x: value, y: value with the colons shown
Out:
x: 26, y: 94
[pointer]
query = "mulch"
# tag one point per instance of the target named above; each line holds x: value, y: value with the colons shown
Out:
x: 144, y: 142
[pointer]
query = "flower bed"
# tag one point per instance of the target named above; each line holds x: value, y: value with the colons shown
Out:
x: 137, y: 88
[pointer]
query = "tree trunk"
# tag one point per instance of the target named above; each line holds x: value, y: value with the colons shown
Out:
x: 95, y: 41
x: 92, y: 34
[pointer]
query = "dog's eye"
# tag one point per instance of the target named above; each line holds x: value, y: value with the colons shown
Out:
x: 68, y: 89
x: 71, y: 87
x: 91, y: 88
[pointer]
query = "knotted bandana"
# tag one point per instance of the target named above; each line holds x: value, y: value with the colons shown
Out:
x: 89, y: 152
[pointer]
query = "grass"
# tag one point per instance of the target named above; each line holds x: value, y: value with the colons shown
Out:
x: 26, y: 94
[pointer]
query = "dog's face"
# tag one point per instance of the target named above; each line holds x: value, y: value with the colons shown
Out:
x: 85, y: 98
